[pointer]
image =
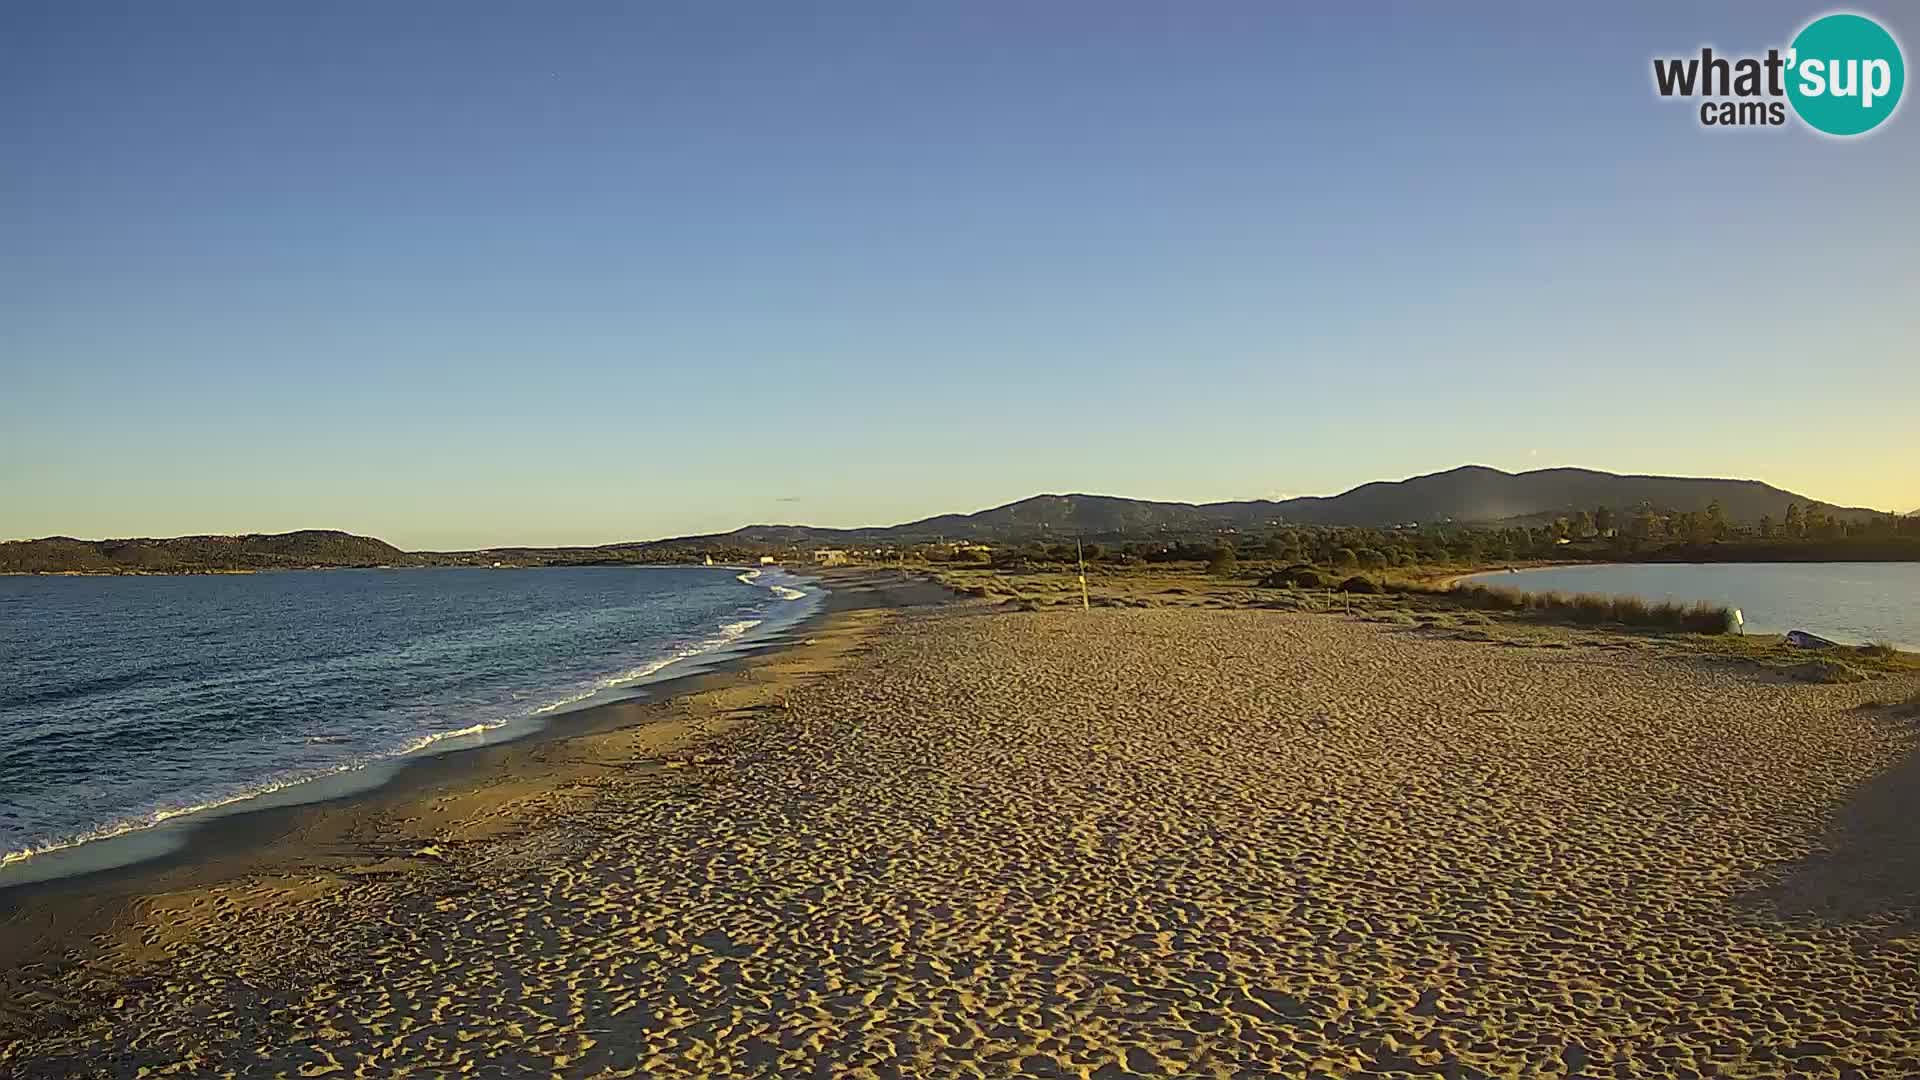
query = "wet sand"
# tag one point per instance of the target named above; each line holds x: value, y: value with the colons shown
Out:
x: 971, y: 841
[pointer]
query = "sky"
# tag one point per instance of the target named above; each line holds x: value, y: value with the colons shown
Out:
x: 473, y: 274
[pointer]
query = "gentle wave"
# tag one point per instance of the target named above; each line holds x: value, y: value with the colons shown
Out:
x: 161, y: 817
x: 727, y: 634
x: 425, y: 741
x: 752, y: 577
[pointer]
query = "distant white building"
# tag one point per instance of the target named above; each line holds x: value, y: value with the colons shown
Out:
x: 829, y: 557
x: 766, y: 560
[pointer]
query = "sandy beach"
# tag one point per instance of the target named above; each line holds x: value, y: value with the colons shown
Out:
x: 971, y: 841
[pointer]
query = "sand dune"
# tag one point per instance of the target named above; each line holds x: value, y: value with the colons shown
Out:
x: 1095, y: 844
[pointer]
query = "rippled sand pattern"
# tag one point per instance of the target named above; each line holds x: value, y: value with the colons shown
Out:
x: 1126, y: 843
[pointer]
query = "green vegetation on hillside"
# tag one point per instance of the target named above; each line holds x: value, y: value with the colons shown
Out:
x: 1228, y: 536
x: 1588, y: 536
x: 201, y: 554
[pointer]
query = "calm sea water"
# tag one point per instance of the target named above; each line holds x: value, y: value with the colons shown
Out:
x: 1848, y: 602
x: 126, y: 702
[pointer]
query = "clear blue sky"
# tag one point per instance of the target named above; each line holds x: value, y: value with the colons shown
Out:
x: 463, y: 274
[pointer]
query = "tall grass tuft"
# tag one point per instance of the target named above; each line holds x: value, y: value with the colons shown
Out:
x: 1700, y: 618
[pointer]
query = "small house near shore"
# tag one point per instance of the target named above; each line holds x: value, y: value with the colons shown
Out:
x: 830, y: 557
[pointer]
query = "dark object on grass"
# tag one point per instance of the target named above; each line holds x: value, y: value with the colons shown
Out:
x: 1360, y: 583
x: 1297, y: 576
x: 1800, y: 639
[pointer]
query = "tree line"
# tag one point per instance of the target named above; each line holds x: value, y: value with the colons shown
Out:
x: 1602, y: 533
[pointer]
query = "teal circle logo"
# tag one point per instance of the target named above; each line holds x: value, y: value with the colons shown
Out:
x: 1845, y: 74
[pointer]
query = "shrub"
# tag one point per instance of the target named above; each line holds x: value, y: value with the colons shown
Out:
x: 1297, y: 576
x: 1223, y: 563
x: 1360, y: 583
x: 1880, y: 650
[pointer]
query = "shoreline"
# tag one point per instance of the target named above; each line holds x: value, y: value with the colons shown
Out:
x: 135, y: 840
x: 1450, y: 580
x: 984, y: 840
x: 57, y: 919
x: 1494, y: 578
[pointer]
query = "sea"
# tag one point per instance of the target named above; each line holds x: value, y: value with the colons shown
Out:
x: 1852, y: 602
x: 131, y: 706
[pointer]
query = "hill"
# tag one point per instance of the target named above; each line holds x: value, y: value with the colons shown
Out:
x: 1471, y: 494
x: 1475, y: 493
x: 201, y: 554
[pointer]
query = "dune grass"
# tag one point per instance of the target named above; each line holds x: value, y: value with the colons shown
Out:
x: 1590, y: 608
x: 1465, y: 604
x: 1824, y: 670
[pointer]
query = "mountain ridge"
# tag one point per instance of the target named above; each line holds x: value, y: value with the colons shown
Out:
x: 1465, y: 495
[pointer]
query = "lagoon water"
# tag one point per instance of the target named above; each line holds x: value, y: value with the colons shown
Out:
x: 127, y: 702
x: 1848, y: 602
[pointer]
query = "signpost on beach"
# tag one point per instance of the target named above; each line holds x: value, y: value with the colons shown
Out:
x: 1080, y: 554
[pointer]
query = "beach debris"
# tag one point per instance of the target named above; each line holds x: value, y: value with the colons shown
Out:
x: 1800, y: 639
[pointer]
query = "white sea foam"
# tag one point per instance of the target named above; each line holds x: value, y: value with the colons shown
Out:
x: 784, y: 592
x: 149, y: 820
x: 160, y: 817
x: 425, y: 741
x: 727, y: 634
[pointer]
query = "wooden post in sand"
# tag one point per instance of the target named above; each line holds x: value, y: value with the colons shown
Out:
x: 1080, y: 554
